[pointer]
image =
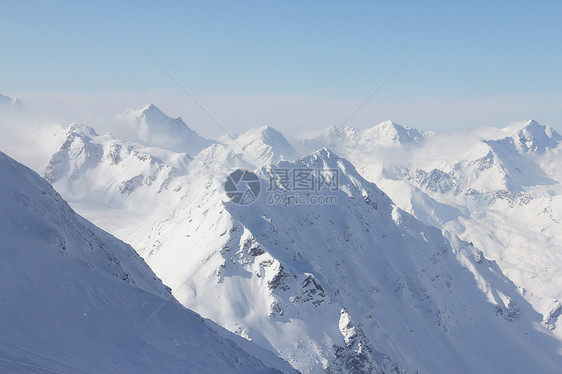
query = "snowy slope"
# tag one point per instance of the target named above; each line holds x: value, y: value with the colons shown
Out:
x: 352, y: 287
x: 111, y: 179
x: 75, y: 299
x: 119, y: 184
x: 502, y: 194
x: 151, y: 127
x: 509, y: 202
x: 258, y: 147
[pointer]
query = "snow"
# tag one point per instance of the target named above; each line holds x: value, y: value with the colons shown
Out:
x: 281, y: 275
x: 261, y: 146
x: 75, y: 299
x: 455, y: 267
x: 149, y: 126
x: 384, y: 134
x: 502, y: 194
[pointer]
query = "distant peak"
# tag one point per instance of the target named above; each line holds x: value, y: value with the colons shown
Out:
x: 531, y: 123
x: 80, y: 128
x: 388, y: 132
x: 150, y: 126
x: 269, y: 130
x: 533, y: 136
x: 265, y: 133
x: 388, y: 123
x: 532, y: 128
x: 147, y: 110
x: 393, y: 126
x: 11, y: 101
x: 342, y: 130
x: 150, y: 108
x: 324, y: 153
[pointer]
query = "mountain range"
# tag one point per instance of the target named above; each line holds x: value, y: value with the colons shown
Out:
x: 387, y: 249
x: 75, y: 299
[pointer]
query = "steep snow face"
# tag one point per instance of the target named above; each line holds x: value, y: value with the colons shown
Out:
x: 354, y: 286
x: 261, y: 146
x: 509, y: 203
x: 151, y: 127
x: 75, y: 299
x: 504, y: 195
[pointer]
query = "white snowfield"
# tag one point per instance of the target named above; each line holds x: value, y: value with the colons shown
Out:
x: 74, y: 299
x: 454, y: 268
x: 501, y: 193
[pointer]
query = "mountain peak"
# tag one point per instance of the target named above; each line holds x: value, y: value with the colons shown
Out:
x: 389, y: 133
x: 11, y: 101
x: 80, y: 128
x: 532, y: 122
x: 324, y: 153
x: 389, y: 123
x: 153, y: 112
x: 152, y: 127
x: 534, y: 137
x: 270, y: 132
x: 341, y: 131
x: 151, y: 109
x: 151, y: 106
x: 264, y: 145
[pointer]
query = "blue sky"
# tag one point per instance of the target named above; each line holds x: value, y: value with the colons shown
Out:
x: 295, y: 63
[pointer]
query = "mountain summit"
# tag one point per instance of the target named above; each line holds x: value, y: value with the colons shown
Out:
x: 254, y: 148
x: 534, y: 137
x: 11, y: 102
x: 152, y: 127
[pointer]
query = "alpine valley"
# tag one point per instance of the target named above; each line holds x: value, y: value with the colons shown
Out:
x: 408, y: 251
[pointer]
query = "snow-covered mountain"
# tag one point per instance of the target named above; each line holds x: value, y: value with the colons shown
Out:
x: 353, y: 286
x: 502, y: 194
x: 534, y: 137
x: 358, y: 285
x: 494, y: 167
x: 87, y: 161
x: 344, y: 138
x: 149, y: 126
x: 75, y: 299
x: 10, y: 102
x: 256, y: 147
x: 120, y: 184
x: 113, y: 180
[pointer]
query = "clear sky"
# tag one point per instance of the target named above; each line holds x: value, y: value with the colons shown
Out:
x: 293, y: 64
